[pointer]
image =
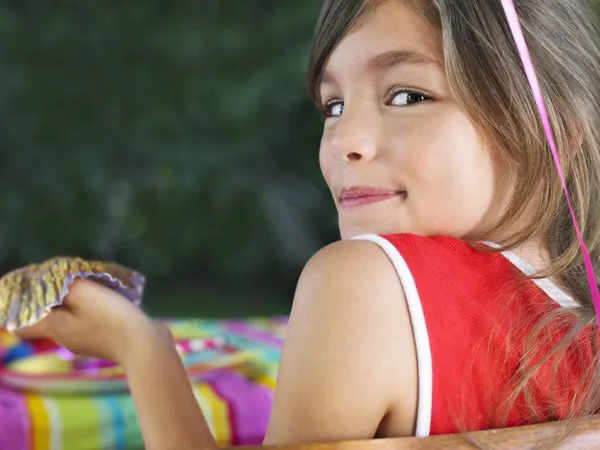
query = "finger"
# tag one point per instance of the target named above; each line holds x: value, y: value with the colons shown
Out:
x: 39, y: 330
x: 58, y: 317
x: 81, y: 292
x: 47, y: 327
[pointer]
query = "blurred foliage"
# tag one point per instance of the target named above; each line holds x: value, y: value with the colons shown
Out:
x: 176, y: 138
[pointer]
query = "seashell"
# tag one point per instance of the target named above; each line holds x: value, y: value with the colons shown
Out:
x: 27, y: 295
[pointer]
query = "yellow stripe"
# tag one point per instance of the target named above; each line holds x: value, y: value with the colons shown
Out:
x: 205, y: 406
x: 266, y: 381
x: 40, y: 423
x: 221, y: 426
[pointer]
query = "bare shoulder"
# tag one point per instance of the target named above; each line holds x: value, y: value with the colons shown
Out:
x: 364, y: 258
x: 348, y: 370
x: 356, y: 276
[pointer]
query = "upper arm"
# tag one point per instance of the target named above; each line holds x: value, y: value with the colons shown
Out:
x: 349, y: 358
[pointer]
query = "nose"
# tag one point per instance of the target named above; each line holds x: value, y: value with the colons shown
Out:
x: 355, y: 137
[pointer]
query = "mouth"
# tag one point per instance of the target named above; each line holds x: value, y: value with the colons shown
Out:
x: 361, y: 196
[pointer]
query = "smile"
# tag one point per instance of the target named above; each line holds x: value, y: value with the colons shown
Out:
x: 355, y: 197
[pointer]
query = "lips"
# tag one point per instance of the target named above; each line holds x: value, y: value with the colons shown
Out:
x: 361, y: 196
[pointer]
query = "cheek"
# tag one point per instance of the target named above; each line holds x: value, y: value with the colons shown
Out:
x: 325, y: 163
x: 444, y: 150
x: 452, y: 172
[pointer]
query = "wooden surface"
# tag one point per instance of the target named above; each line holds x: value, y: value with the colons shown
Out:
x: 585, y: 434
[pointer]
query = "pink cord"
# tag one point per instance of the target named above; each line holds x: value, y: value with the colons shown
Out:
x: 517, y: 32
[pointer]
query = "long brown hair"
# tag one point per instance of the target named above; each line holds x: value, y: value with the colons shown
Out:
x: 488, y: 82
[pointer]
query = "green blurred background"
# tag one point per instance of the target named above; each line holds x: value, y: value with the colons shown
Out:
x: 173, y: 137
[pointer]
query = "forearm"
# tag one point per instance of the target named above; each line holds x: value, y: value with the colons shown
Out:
x: 168, y: 413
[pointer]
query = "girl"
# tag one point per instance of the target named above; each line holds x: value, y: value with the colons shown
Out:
x: 457, y: 298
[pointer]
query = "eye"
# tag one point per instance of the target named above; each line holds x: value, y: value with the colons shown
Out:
x: 405, y: 97
x: 333, y: 108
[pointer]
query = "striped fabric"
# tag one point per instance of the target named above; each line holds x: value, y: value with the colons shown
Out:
x: 236, y: 402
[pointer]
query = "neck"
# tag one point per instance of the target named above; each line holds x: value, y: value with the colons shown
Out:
x: 535, y: 253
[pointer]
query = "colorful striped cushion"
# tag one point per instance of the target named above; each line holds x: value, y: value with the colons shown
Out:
x: 236, y: 402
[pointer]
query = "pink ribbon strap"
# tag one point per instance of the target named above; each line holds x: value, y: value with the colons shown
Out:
x: 517, y: 32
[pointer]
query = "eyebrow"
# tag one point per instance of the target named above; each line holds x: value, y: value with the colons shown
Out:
x: 392, y: 58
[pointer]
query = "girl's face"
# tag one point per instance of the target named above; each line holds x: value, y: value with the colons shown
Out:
x: 397, y: 153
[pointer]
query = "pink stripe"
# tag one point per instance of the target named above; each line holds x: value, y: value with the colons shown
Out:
x: 14, y: 421
x: 517, y: 32
x: 249, y: 407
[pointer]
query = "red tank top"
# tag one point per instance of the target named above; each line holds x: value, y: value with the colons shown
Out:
x: 472, y: 313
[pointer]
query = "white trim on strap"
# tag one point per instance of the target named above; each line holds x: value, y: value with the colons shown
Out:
x: 415, y: 309
x: 551, y: 289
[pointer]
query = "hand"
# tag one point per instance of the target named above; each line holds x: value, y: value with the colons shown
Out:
x: 97, y: 321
